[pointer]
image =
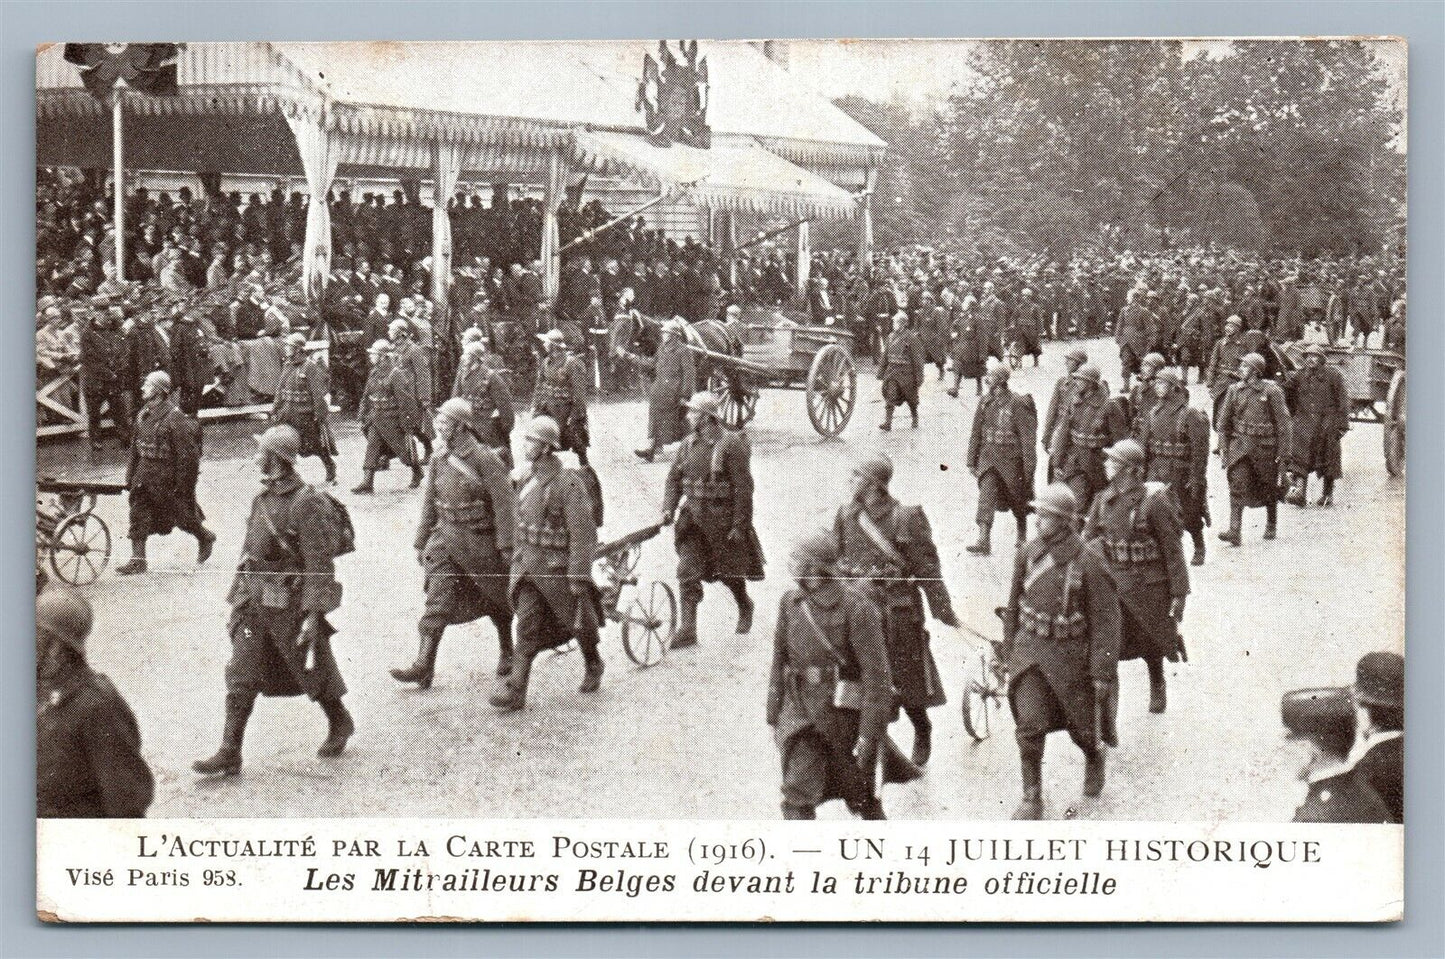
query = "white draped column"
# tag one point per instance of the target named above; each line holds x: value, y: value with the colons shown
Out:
x: 320, y: 152
x: 804, y: 254
x: 556, y: 185
x: 865, y: 221
x: 446, y: 169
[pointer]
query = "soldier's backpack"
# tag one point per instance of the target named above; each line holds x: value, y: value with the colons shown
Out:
x: 343, y: 534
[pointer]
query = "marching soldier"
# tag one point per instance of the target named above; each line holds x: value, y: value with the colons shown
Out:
x: 464, y: 541
x: 87, y: 743
x: 1061, y: 631
x: 1321, y: 408
x: 1326, y: 719
x: 971, y: 346
x: 889, y: 549
x: 165, y: 463
x: 285, y: 585
x: 674, y: 379
x: 1176, y: 451
x: 1001, y: 455
x: 413, y: 357
x: 1089, y: 423
x: 481, y: 381
x: 1253, y: 427
x: 1133, y: 333
x: 710, y: 493
x: 1141, y: 394
x: 301, y: 403
x: 388, y: 415
x: 551, y: 586
x: 829, y: 694
x: 1060, y: 398
x: 1135, y: 525
x: 562, y: 393
x: 900, y: 370
x: 1224, y: 362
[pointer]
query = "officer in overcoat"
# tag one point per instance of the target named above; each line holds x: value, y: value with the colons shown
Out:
x: 900, y: 370
x: 1059, y: 400
x: 463, y: 541
x: 1002, y: 455
x: 1134, y: 524
x: 1325, y: 719
x: 103, y: 360
x: 1320, y: 405
x: 674, y: 379
x: 413, y: 357
x: 561, y: 393
x: 285, y: 585
x: 165, y: 463
x: 1133, y: 333
x: 553, y: 547
x: 388, y: 414
x: 1061, y: 638
x: 301, y: 403
x: 1254, y: 426
x: 971, y: 346
x: 481, y: 381
x: 1089, y: 424
x: 829, y: 694
x: 1175, y: 438
x: 88, y: 763
x: 888, y: 548
x: 709, y: 494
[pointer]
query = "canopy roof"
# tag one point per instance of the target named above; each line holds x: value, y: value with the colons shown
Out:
x: 511, y: 104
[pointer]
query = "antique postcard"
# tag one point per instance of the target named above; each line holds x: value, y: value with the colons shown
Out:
x: 779, y: 480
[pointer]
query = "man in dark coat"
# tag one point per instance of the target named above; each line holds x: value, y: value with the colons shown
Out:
x: 1002, y: 455
x: 1141, y: 394
x: 413, y: 356
x: 464, y: 541
x: 1132, y: 333
x: 1090, y: 423
x: 888, y: 548
x: 674, y: 379
x: 1135, y: 526
x: 1224, y: 360
x: 388, y: 414
x: 1325, y: 719
x: 1028, y: 323
x: 553, y: 547
x: 301, y: 403
x: 165, y: 463
x: 103, y: 358
x: 1175, y: 438
x: 190, y: 364
x: 900, y: 370
x: 561, y: 393
x: 1320, y: 408
x: 285, y: 586
x: 710, y: 495
x: 829, y: 693
x: 1061, y: 640
x: 1254, y: 426
x: 1060, y: 399
x: 970, y: 347
x: 480, y: 381
x: 1380, y: 690
x: 88, y: 763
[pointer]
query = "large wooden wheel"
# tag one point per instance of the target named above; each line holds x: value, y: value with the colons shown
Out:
x: 983, y: 697
x: 80, y: 548
x: 1394, y: 425
x: 649, y: 624
x: 737, y: 401
x: 832, y: 390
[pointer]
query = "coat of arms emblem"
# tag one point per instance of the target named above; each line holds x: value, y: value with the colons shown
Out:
x: 673, y: 97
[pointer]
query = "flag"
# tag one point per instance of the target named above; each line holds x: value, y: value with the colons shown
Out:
x: 148, y: 68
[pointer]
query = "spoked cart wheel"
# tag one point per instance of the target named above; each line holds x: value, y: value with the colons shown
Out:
x: 982, y: 698
x: 832, y: 390
x: 80, y: 548
x: 736, y: 400
x: 1394, y: 426
x: 649, y: 623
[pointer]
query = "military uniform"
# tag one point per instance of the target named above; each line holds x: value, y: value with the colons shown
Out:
x: 833, y: 633
x: 389, y: 413
x: 102, y: 365
x: 1090, y: 422
x: 674, y: 379
x: 1321, y: 415
x: 901, y: 372
x: 1001, y: 454
x: 971, y: 345
x: 480, y: 383
x: 1224, y: 361
x: 1253, y: 427
x: 562, y: 394
x: 165, y: 463
x: 1133, y: 333
x: 1175, y: 438
x: 87, y: 750
x: 301, y: 403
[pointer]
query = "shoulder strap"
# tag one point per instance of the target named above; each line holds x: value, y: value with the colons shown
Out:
x: 818, y: 632
x: 885, y: 546
x: 463, y: 467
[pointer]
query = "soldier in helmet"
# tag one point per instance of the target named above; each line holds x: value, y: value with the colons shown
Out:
x: 1321, y: 408
x: 551, y: 586
x: 464, y: 541
x: 285, y: 585
x: 87, y: 742
x: 1141, y: 394
x: 301, y: 403
x: 1254, y: 426
x: 1133, y: 333
x: 710, y: 493
x: 413, y: 357
x: 1224, y: 361
x: 900, y: 370
x: 165, y: 463
x: 1001, y: 454
x: 561, y: 393
x: 971, y: 346
x: 1175, y: 438
x: 1089, y: 423
x: 1061, y: 632
x: 829, y: 693
x: 1135, y: 525
x: 482, y: 383
x: 889, y: 549
x: 1326, y: 719
x: 674, y: 379
x: 388, y: 414
x: 1060, y: 398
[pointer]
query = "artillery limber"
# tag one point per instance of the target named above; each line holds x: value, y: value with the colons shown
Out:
x: 69, y: 537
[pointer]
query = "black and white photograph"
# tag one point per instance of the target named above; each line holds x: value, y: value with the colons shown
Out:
x: 995, y: 447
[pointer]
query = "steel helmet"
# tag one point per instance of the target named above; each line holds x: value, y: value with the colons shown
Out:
x: 64, y: 615
x: 544, y: 429
x: 380, y: 346
x: 159, y: 378
x: 1056, y: 500
x: 1234, y: 321
x: 1126, y: 452
x: 818, y: 548
x: 877, y: 468
x: 1254, y: 360
x: 1168, y: 374
x: 282, y: 440
x: 1089, y: 372
x: 1152, y: 359
x: 458, y: 410
x: 704, y: 402
x: 1078, y: 355
x: 297, y: 340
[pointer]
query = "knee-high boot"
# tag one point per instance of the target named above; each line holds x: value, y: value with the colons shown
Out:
x: 1197, y: 535
x: 504, y: 644
x: 592, y: 674
x: 513, y: 694
x: 1031, y: 767
x: 1094, y: 770
x: 339, y: 727
x: 686, y: 634
x: 1236, y: 520
x: 227, y: 760
x: 739, y: 589
x: 1271, y: 514
x: 1158, y: 699
x: 922, y: 736
x: 981, y: 547
x: 420, y: 672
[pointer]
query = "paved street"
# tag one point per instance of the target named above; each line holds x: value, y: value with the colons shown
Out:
x: 687, y: 738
